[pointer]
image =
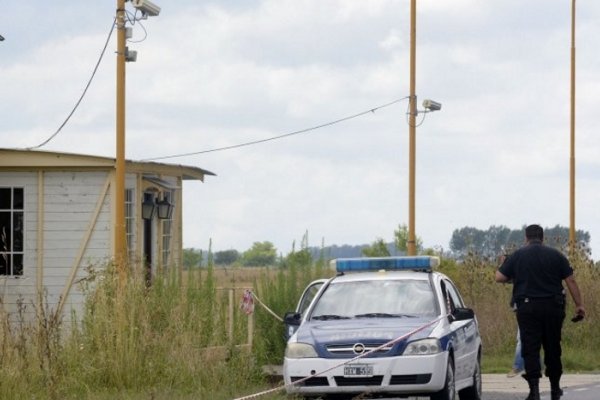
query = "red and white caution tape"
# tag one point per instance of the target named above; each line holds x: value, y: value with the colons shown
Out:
x: 247, y: 298
x: 247, y: 304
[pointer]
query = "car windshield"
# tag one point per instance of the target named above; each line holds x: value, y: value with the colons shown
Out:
x: 376, y: 299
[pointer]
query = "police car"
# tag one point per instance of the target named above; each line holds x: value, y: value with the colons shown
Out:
x: 385, y: 326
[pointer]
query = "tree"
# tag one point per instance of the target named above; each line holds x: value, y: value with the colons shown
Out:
x: 401, y: 239
x: 260, y: 254
x: 466, y: 239
x: 226, y: 257
x: 558, y: 237
x: 377, y: 249
x: 192, y: 258
x: 499, y: 240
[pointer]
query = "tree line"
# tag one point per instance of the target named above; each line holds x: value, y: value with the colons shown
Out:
x: 491, y: 243
x: 498, y: 240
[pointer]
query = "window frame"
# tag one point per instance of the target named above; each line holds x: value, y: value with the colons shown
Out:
x: 7, y: 250
x: 167, y: 231
x: 130, y: 222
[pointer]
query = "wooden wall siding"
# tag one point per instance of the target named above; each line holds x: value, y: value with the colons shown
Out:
x: 71, y: 199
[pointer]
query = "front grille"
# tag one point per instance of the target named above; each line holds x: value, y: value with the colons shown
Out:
x: 313, y: 381
x: 347, y: 349
x: 410, y: 379
x: 370, y: 381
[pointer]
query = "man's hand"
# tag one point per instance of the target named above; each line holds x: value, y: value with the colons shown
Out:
x: 576, y: 295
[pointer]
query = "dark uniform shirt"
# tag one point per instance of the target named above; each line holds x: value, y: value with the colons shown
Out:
x: 537, y: 271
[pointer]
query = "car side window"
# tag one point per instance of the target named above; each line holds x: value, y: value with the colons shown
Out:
x: 309, y: 295
x: 455, y: 298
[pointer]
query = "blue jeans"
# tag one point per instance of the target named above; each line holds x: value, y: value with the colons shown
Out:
x: 518, y: 363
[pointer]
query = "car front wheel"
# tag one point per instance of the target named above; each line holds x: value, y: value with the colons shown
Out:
x: 449, y: 390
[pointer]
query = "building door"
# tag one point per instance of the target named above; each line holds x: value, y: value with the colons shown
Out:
x: 149, y: 241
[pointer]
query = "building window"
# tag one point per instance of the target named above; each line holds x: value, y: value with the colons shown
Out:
x: 130, y: 222
x: 11, y: 231
x: 167, y: 226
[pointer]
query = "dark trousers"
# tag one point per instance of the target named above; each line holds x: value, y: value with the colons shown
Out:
x: 540, y: 323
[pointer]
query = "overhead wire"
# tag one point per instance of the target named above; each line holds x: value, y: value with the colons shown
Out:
x: 45, y: 142
x: 235, y: 146
x: 133, y: 19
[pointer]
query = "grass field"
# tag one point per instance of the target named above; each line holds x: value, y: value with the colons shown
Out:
x: 135, y: 342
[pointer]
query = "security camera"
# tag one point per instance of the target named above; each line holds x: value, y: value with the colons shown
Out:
x: 147, y: 7
x: 432, y: 105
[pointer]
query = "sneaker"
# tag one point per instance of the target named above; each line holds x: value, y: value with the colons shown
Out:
x: 514, y: 372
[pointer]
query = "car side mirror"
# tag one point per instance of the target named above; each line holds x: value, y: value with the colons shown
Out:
x: 462, y: 314
x: 292, y: 318
x: 292, y: 321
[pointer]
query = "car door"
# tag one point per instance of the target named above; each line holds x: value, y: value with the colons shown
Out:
x: 306, y: 299
x: 465, y: 344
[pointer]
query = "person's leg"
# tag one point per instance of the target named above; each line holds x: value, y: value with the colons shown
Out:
x: 531, y: 329
x: 518, y: 363
x: 552, y: 348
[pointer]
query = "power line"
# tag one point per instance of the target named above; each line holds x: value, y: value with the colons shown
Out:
x: 112, y: 28
x: 235, y: 146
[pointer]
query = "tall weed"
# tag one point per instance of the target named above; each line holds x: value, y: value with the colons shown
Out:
x: 138, y: 341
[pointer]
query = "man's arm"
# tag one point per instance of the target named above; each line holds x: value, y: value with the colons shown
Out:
x: 575, y: 294
x: 501, y: 278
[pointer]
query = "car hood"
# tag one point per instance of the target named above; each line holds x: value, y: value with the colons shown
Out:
x: 368, y: 331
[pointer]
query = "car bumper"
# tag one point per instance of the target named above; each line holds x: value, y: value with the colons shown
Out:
x: 402, y: 375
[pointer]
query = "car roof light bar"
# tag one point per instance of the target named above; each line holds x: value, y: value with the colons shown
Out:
x: 421, y: 263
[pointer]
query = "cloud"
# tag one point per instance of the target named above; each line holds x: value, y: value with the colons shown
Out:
x: 220, y: 73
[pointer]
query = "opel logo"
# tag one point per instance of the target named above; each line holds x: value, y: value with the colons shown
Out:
x: 358, y: 348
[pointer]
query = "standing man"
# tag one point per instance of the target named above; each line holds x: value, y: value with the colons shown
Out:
x: 537, y: 272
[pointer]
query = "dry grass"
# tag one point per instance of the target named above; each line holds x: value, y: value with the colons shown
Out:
x: 143, y: 342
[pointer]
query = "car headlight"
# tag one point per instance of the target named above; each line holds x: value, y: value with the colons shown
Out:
x: 300, y: 350
x: 423, y: 347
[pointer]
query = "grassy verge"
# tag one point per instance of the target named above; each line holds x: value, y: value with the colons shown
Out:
x: 138, y: 342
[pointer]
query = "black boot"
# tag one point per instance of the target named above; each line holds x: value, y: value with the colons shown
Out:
x: 555, y: 394
x: 555, y: 390
x: 534, y: 389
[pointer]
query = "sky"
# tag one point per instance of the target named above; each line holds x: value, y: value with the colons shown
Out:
x: 212, y: 74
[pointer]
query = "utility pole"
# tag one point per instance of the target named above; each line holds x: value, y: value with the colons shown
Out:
x: 412, y: 136
x: 572, y: 238
x: 119, y: 203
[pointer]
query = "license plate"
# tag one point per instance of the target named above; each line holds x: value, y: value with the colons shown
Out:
x: 358, y: 370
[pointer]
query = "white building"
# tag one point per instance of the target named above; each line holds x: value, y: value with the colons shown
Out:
x: 57, y: 218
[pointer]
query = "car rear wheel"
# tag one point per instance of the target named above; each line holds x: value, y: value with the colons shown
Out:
x: 449, y: 390
x: 473, y: 392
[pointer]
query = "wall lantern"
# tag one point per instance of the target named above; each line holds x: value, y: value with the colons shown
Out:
x: 165, y: 209
x: 148, y: 207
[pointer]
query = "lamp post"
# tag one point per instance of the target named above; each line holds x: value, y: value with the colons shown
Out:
x: 572, y: 238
